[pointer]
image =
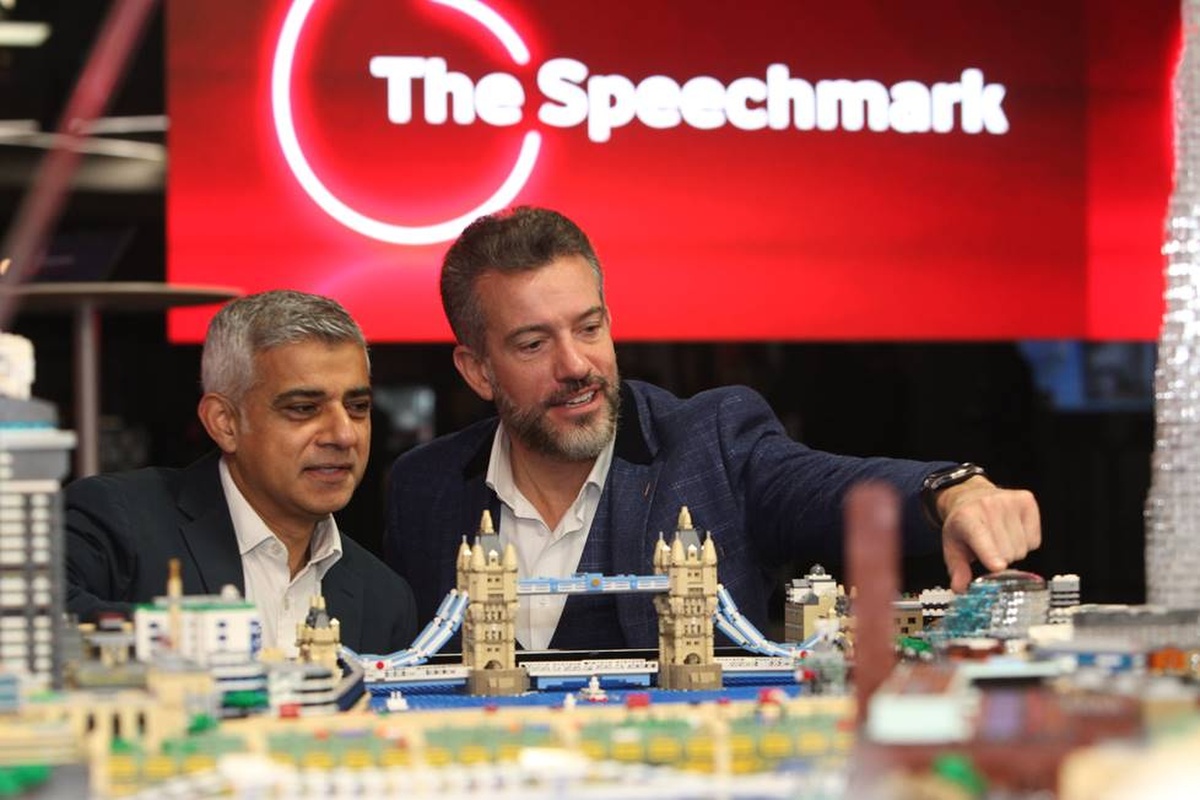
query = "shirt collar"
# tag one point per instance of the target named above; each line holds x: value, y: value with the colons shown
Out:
x: 251, y: 531
x: 499, y: 477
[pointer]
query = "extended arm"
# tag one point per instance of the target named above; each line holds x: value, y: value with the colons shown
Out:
x: 794, y: 497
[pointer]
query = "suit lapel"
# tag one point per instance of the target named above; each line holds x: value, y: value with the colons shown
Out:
x: 632, y: 487
x: 479, y: 497
x: 342, y: 588
x: 207, y: 529
x: 476, y: 496
x: 461, y: 511
x: 631, y: 493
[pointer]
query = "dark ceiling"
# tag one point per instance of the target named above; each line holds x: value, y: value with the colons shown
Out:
x: 35, y: 81
x: 110, y: 192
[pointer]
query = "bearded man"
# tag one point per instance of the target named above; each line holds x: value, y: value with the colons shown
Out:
x: 584, y: 471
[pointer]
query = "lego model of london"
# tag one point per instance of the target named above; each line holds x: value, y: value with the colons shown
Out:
x: 1013, y: 689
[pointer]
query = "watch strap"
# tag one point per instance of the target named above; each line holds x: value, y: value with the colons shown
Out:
x: 941, y: 479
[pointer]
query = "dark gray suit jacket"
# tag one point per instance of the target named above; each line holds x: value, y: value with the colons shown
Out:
x: 122, y: 528
x: 766, y: 498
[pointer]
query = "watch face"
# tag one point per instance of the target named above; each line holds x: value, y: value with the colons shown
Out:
x: 943, y: 479
x: 952, y: 476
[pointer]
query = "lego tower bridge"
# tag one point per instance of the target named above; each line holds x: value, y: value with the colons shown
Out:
x: 689, y: 601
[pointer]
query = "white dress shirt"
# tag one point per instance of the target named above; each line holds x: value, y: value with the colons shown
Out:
x: 282, y: 601
x: 541, y: 552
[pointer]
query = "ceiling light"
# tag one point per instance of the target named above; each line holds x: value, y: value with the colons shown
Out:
x: 23, y: 34
x: 148, y: 123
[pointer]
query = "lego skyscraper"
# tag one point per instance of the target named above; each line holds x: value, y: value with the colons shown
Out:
x: 1173, y: 505
x: 33, y: 459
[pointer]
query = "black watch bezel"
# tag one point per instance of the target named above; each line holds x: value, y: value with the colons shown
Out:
x: 943, y: 479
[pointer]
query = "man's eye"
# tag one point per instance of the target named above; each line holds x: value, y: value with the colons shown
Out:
x: 530, y: 347
x: 301, y: 409
x: 361, y: 408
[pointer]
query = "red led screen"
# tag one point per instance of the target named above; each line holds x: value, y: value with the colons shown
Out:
x: 769, y: 169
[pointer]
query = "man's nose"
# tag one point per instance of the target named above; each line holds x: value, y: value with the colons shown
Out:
x: 571, y: 362
x: 341, y: 429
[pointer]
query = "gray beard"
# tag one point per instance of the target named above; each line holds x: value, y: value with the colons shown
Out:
x: 583, y: 442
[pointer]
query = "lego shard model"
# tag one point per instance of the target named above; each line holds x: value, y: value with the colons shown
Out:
x: 1173, y: 506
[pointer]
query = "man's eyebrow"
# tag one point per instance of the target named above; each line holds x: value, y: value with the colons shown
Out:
x: 516, y: 333
x: 357, y: 393
x: 299, y: 394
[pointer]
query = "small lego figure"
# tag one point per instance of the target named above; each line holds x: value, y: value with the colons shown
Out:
x: 594, y: 692
x: 396, y: 701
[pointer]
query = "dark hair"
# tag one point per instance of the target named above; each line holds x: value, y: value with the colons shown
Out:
x: 247, y: 326
x: 522, y: 238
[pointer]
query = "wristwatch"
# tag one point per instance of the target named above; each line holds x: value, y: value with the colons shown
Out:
x: 943, y: 479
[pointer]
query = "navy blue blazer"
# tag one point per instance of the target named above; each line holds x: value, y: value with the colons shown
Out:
x: 723, y: 453
x: 122, y: 528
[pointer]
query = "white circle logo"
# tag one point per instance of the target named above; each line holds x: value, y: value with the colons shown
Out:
x: 285, y: 131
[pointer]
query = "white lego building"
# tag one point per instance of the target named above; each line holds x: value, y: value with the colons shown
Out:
x: 34, y: 457
x: 212, y: 628
x: 1064, y: 597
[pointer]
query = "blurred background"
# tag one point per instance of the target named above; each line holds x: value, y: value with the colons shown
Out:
x: 1070, y: 418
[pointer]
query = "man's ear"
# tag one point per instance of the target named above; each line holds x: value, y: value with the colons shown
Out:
x: 220, y: 419
x: 473, y: 370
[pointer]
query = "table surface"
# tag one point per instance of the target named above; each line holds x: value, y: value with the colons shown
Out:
x: 115, y: 295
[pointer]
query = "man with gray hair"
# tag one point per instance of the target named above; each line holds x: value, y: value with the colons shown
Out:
x: 287, y: 400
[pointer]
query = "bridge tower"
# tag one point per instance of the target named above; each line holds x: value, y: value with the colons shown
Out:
x: 489, y: 629
x: 318, y: 637
x: 685, y: 613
